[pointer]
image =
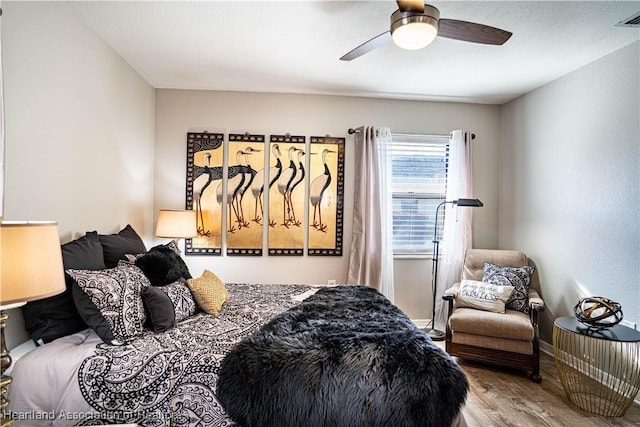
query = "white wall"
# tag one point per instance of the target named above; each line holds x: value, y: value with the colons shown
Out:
x: 80, y: 146
x: 180, y: 111
x: 570, y: 184
x: 79, y: 129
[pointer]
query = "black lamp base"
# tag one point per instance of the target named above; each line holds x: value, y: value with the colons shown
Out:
x: 435, y: 334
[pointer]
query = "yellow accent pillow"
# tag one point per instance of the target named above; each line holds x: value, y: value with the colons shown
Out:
x: 209, y: 292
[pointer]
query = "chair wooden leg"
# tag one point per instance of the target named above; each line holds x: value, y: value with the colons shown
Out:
x: 535, y: 373
x: 447, y: 336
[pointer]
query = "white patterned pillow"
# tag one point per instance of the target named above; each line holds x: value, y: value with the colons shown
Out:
x: 483, y: 296
x: 180, y: 295
x: 518, y: 277
x: 110, y: 301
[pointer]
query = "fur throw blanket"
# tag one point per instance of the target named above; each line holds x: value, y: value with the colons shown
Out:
x: 345, y: 356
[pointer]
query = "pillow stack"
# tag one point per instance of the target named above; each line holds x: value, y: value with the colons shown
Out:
x: 501, y: 288
x: 117, y: 288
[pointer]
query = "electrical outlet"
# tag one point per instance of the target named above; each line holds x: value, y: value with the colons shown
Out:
x: 628, y: 324
x: 331, y: 282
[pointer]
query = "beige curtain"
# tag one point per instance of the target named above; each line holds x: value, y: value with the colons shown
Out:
x: 457, y: 232
x: 371, y: 255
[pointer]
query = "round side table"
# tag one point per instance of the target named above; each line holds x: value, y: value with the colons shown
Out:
x: 599, y: 369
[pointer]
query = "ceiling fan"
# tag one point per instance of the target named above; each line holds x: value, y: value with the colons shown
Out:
x: 416, y: 24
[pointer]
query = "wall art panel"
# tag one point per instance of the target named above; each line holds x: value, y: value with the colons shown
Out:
x: 204, y: 175
x: 326, y: 196
x: 244, y: 187
x: 287, y: 195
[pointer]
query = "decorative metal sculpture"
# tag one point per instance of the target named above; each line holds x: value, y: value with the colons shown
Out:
x: 598, y: 312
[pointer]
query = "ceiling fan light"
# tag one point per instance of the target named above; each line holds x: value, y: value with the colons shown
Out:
x: 414, y: 30
x: 414, y: 35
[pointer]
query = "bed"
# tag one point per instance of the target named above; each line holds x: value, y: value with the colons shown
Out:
x: 158, y: 379
x: 270, y: 355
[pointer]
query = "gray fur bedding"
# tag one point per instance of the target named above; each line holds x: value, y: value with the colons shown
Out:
x: 346, y: 356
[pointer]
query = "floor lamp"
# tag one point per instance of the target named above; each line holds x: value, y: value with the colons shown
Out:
x: 434, y: 333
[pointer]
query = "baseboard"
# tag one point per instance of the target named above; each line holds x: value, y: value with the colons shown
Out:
x: 546, y: 348
x: 421, y: 323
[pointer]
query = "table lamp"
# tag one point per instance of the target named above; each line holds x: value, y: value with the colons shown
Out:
x: 30, y: 269
x: 434, y: 333
x: 176, y: 224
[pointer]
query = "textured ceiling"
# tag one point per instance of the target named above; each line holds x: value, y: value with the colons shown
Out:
x: 293, y: 47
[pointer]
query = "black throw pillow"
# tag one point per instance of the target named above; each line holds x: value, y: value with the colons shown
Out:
x: 117, y: 246
x: 160, y: 312
x: 92, y: 315
x: 54, y: 317
x: 162, y: 266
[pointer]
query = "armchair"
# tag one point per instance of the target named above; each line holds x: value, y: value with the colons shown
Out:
x: 509, y: 339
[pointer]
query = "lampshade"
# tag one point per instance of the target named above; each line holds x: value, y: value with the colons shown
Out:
x: 411, y: 30
x: 176, y: 224
x: 474, y: 203
x: 30, y: 262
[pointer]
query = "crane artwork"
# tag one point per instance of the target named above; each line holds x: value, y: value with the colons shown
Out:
x: 300, y: 174
x: 235, y: 180
x: 284, y: 185
x: 318, y: 187
x: 247, y: 187
x: 325, y: 196
x: 205, y: 169
x: 257, y: 187
x: 245, y: 181
x: 206, y: 175
x: 285, y: 232
x: 250, y: 175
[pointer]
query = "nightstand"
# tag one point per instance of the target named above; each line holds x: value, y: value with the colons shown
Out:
x: 599, y: 369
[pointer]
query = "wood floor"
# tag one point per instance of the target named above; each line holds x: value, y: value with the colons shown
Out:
x: 503, y: 397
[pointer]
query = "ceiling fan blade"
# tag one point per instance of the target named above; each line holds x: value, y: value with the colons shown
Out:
x: 367, y: 46
x: 410, y: 5
x: 472, y: 32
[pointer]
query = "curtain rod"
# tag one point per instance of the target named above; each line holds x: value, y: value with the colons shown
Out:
x: 351, y: 131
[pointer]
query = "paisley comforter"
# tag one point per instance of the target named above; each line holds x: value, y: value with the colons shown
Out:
x: 157, y: 379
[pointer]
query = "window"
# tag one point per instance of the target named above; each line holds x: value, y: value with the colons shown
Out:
x: 419, y: 184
